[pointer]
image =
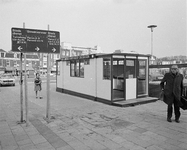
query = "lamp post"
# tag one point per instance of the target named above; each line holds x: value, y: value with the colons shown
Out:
x: 151, y: 27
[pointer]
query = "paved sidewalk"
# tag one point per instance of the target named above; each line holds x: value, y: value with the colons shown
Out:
x: 94, y: 126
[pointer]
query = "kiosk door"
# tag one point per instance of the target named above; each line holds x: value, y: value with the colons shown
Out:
x: 118, y: 79
x: 141, y: 77
x: 130, y: 79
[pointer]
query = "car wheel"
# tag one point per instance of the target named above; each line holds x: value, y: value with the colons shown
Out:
x: 13, y: 84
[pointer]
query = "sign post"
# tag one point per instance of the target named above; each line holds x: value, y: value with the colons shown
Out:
x: 48, y: 116
x: 21, y: 88
x: 26, y: 92
x: 34, y: 41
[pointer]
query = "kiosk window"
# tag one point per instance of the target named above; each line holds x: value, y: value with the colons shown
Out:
x: 130, y: 69
x: 87, y: 61
x: 106, y: 68
x: 58, y: 68
x: 72, y: 69
x: 82, y: 68
x: 77, y: 68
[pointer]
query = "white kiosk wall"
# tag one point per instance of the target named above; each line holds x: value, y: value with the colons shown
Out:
x: 131, y: 79
x: 103, y: 87
x: 84, y: 85
x: 60, y: 75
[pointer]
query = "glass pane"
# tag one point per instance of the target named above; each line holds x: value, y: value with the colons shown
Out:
x: 106, y: 68
x: 142, y: 77
x: 77, y: 68
x: 118, y: 78
x: 81, y: 68
x: 72, y: 69
x: 130, y: 69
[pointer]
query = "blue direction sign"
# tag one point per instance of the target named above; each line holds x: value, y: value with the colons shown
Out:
x: 35, y: 41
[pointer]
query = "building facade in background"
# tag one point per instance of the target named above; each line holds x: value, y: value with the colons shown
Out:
x: 10, y: 61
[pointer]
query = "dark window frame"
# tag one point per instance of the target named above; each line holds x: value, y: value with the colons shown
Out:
x: 107, y: 68
x: 77, y: 68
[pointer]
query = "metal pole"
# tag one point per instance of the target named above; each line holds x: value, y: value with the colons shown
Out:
x: 48, y: 85
x: 21, y: 84
x: 152, y: 42
x: 26, y: 97
x: 21, y: 88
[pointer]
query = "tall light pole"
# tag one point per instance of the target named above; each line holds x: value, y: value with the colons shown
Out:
x: 151, y: 27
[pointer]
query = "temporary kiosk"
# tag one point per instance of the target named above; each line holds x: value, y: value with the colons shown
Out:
x: 104, y: 77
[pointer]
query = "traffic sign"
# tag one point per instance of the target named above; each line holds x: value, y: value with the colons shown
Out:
x: 35, y: 41
x: 53, y: 41
x: 18, y: 40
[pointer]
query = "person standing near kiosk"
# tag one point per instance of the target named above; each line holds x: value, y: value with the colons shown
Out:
x: 172, y: 87
x: 38, y: 85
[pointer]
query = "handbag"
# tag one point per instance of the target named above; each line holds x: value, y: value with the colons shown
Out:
x: 161, y: 96
x: 184, y: 102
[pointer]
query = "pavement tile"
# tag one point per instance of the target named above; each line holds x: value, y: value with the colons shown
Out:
x: 45, y: 145
x: 141, y: 142
x: 10, y: 147
x: 36, y: 139
x: 68, y: 138
x: 21, y: 137
x: 184, y: 140
x: 140, y: 130
x: 8, y: 141
x: 58, y: 143
x: 137, y: 148
x: 28, y: 147
x: 183, y: 145
x: 24, y: 142
x: 154, y: 147
x: 173, y: 142
x: 94, y: 144
x: 109, y: 144
x: 77, y: 145
x: 168, y: 146
x: 67, y: 147
x: 118, y: 139
x: 128, y: 144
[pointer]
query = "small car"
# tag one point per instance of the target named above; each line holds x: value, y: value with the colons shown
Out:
x: 7, y: 79
x: 156, y: 77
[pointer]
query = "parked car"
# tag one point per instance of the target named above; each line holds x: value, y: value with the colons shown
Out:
x: 155, y: 77
x: 7, y: 79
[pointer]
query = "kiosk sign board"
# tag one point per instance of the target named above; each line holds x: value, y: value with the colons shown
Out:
x: 35, y: 41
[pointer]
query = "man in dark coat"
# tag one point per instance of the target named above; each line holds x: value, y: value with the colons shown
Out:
x: 172, y: 86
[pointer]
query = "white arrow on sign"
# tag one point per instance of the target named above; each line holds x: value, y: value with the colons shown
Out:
x: 53, y: 49
x: 37, y: 49
x: 20, y: 48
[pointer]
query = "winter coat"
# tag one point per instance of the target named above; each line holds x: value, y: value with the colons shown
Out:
x: 173, y: 87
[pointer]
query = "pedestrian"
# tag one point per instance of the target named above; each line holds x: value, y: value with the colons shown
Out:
x: 172, y: 87
x: 38, y: 85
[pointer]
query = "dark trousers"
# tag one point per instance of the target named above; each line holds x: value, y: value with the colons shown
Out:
x: 176, y: 110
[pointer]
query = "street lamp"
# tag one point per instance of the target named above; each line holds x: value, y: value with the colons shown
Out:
x: 151, y: 27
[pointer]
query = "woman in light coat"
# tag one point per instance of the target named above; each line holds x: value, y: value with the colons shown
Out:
x: 38, y: 85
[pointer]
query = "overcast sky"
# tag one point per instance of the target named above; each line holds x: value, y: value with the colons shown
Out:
x: 111, y: 24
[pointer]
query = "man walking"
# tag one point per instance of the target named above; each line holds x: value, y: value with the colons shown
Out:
x: 172, y: 86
